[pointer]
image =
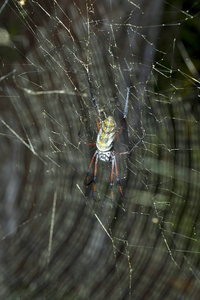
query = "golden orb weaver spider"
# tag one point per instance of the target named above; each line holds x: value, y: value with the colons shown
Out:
x: 106, y: 137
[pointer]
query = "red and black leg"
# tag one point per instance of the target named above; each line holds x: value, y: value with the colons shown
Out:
x: 90, y: 165
x: 114, y: 167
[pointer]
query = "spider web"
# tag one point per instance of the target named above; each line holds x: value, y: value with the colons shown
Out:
x: 57, y: 241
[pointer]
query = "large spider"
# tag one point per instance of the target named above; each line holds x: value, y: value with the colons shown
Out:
x: 107, y: 136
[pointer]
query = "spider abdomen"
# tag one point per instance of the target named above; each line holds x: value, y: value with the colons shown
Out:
x: 106, y: 135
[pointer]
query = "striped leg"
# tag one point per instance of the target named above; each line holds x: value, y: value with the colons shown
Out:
x: 95, y: 174
x: 111, y: 175
x: 90, y: 165
x: 117, y: 175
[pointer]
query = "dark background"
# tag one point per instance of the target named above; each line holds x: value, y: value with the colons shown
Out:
x: 57, y: 242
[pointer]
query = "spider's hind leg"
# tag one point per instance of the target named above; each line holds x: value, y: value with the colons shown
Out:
x: 95, y: 175
x: 88, y: 171
x: 94, y: 158
x: 114, y: 167
x: 117, y: 175
x: 111, y: 175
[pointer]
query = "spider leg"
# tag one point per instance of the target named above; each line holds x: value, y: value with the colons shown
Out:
x: 125, y: 114
x: 90, y: 165
x: 128, y: 152
x: 95, y: 173
x: 111, y: 175
x: 117, y: 175
x: 114, y: 166
x: 86, y: 143
x: 92, y: 96
x: 126, y: 104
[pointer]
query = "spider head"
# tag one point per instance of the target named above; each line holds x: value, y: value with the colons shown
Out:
x: 106, y: 135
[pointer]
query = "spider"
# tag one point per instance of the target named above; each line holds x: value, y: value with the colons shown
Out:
x: 106, y: 137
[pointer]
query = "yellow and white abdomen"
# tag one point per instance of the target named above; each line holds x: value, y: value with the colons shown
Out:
x: 106, y: 135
